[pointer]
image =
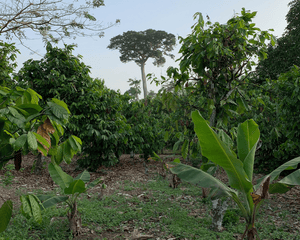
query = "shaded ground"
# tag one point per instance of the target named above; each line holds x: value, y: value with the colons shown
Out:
x: 131, y: 170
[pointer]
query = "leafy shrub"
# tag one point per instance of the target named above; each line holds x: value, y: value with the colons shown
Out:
x: 231, y: 217
x: 95, y: 118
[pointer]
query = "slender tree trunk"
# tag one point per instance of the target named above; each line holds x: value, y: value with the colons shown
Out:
x: 144, y: 80
x: 39, y: 164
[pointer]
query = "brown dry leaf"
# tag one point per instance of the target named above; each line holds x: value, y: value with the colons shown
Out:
x: 43, y: 130
x: 262, y: 192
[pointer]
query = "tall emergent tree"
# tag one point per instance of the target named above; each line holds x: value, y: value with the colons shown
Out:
x: 53, y: 19
x: 286, y: 52
x: 140, y: 46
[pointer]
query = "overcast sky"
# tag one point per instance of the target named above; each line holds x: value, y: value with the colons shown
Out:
x: 172, y: 16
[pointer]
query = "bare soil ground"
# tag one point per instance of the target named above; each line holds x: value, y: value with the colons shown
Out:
x: 25, y: 181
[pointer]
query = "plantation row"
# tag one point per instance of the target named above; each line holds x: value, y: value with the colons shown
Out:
x: 53, y: 107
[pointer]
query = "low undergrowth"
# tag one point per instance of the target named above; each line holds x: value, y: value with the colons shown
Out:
x: 152, y: 209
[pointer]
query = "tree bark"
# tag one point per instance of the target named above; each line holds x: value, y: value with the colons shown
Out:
x: 218, y: 210
x: 39, y: 164
x: 144, y: 80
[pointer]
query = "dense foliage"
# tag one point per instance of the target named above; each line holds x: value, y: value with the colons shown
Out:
x: 285, y: 53
x: 218, y: 59
x: 95, y: 109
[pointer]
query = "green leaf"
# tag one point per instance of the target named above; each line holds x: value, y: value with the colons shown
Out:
x: 217, y: 151
x: 5, y: 213
x: 278, y: 188
x: 247, y: 139
x: 20, y: 142
x: 59, y: 176
x: 31, y: 108
x: 292, y: 164
x: 77, y: 186
x: 94, y: 183
x: 61, y: 103
x: 41, y: 139
x: 31, y: 139
x: 35, y: 208
x: 59, y: 111
x: 67, y: 152
x: 292, y: 179
x: 199, y: 177
x: 166, y: 137
x: 42, y: 149
x: 185, y: 149
x: 84, y: 176
x: 49, y: 201
x: 31, y: 207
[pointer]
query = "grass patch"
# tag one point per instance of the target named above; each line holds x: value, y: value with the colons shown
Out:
x: 153, y: 208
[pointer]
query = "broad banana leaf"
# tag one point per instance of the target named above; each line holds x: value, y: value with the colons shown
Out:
x: 31, y: 207
x: 247, y: 139
x: 77, y: 186
x: 290, y: 165
x: 49, y: 201
x: 84, y: 176
x: 286, y: 183
x: 61, y: 178
x: 199, y: 177
x: 217, y: 151
x: 5, y: 214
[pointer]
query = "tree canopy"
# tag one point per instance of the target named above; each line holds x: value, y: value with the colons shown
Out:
x: 53, y: 19
x: 217, y: 59
x: 140, y: 46
x: 286, y: 52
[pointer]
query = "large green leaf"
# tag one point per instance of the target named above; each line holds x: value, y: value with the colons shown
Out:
x: 84, y: 176
x: 59, y: 111
x: 5, y: 214
x: 217, y: 151
x: 247, y: 139
x: 77, y: 186
x: 290, y: 165
x: 31, y: 139
x: 199, y: 177
x: 20, y: 142
x: 41, y: 139
x: 31, y: 207
x: 59, y: 176
x: 286, y: 183
x: 49, y: 201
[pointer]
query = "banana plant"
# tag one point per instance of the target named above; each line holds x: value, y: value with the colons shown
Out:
x: 239, y: 168
x: 32, y: 205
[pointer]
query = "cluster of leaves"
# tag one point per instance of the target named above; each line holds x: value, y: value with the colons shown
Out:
x: 146, y: 120
x: 274, y: 106
x: 7, y: 64
x: 285, y: 53
x: 239, y: 169
x: 26, y: 126
x: 218, y: 59
x: 20, y: 117
x: 72, y: 187
x: 96, y: 110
